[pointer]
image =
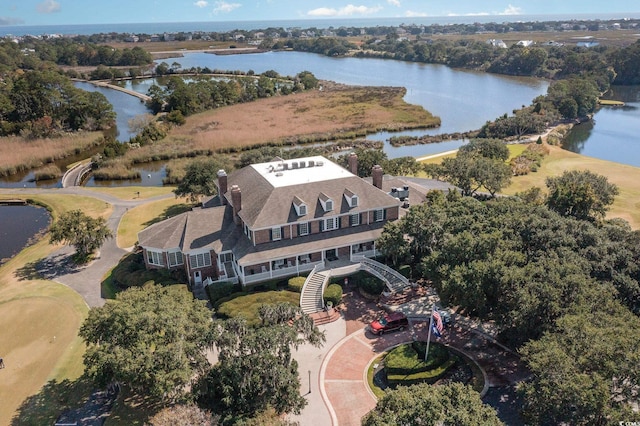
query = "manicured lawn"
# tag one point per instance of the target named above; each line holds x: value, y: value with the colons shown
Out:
x: 247, y: 305
x: 39, y: 322
x: 627, y: 203
x: 138, y: 218
x: 134, y: 192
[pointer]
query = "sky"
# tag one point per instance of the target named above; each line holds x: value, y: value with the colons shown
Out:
x: 63, y: 12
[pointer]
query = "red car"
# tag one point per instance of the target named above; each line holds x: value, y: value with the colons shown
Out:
x: 390, y: 322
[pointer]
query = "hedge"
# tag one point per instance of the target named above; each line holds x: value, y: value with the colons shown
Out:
x: 333, y: 294
x: 296, y: 284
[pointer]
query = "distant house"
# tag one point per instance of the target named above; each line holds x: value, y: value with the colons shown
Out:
x: 587, y: 44
x: 280, y: 219
x: 497, y: 43
x: 525, y: 43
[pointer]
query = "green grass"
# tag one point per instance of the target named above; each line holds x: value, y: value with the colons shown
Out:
x: 134, y: 192
x: 138, y: 218
x: 378, y: 392
x: 247, y: 305
x: 48, y: 315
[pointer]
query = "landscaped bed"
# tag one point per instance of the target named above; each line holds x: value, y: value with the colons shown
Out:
x: 405, y: 365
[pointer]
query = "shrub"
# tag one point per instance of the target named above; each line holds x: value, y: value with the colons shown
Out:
x: 333, y: 294
x: 405, y: 364
x: 371, y: 285
x: 219, y: 290
x: 246, y: 305
x: 296, y: 284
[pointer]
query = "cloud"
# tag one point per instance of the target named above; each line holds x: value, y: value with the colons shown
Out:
x: 224, y: 7
x: 344, y: 11
x: 394, y: 2
x: 48, y: 6
x: 10, y: 21
x: 412, y: 14
x: 512, y: 10
x: 201, y: 3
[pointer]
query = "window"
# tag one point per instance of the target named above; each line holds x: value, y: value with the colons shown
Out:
x: 354, y: 219
x: 378, y: 215
x: 354, y: 201
x: 300, y: 206
x: 155, y: 258
x: 331, y: 223
x: 276, y: 234
x: 303, y: 228
x: 326, y: 201
x: 200, y: 260
x: 175, y: 258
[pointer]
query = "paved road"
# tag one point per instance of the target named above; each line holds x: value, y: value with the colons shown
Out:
x: 86, y: 279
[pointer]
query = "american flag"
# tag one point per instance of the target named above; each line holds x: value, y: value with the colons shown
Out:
x: 437, y: 326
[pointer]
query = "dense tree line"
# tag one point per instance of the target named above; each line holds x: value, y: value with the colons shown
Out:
x: 39, y: 103
x: 66, y: 51
x: 563, y: 290
x: 209, y: 93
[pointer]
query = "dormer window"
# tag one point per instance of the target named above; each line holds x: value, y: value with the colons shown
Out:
x: 300, y: 206
x: 352, y: 199
x: 326, y: 201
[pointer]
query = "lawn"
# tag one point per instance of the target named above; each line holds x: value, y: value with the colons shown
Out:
x: 627, y: 203
x: 247, y: 305
x: 138, y: 218
x: 47, y: 316
x: 134, y: 192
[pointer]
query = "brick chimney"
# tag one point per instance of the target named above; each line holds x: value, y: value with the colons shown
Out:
x: 222, y: 185
x: 376, y: 174
x: 236, y: 202
x: 353, y: 163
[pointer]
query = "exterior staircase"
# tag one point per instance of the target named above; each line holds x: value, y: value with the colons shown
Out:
x: 311, y: 296
x: 395, y: 281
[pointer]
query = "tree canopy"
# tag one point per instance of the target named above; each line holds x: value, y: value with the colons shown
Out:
x: 83, y: 232
x: 199, y: 180
x: 424, y: 404
x: 151, y: 339
x: 581, y: 194
x: 256, y: 370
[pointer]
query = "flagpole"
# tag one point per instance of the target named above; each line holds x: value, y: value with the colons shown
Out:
x: 426, y: 353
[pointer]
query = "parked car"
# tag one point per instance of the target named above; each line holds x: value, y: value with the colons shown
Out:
x: 389, y: 322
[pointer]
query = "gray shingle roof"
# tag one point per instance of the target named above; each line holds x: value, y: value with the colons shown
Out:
x: 264, y: 206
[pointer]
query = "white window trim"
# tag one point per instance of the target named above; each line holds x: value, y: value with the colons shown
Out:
x: 334, y: 221
x: 354, y: 219
x: 276, y: 233
x: 194, y: 262
x: 378, y: 215
x: 178, y: 256
x: 155, y: 258
x: 306, y: 226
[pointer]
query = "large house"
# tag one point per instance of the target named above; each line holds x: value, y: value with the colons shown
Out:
x: 276, y: 219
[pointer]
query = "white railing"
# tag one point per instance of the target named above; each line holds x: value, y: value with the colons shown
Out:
x: 281, y: 272
x: 306, y: 282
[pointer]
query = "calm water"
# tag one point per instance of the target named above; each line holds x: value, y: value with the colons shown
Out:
x: 18, y: 224
x: 615, y: 133
x: 125, y: 106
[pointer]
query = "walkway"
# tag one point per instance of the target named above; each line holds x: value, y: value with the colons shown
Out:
x: 342, y: 383
x: 86, y: 279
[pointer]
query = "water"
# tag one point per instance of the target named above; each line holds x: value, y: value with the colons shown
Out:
x: 614, y: 133
x: 226, y: 26
x: 125, y: 106
x: 18, y: 225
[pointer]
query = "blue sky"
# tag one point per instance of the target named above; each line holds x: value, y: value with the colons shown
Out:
x: 56, y: 12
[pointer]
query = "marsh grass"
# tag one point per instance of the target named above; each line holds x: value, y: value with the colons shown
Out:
x: 48, y: 172
x: 19, y: 154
